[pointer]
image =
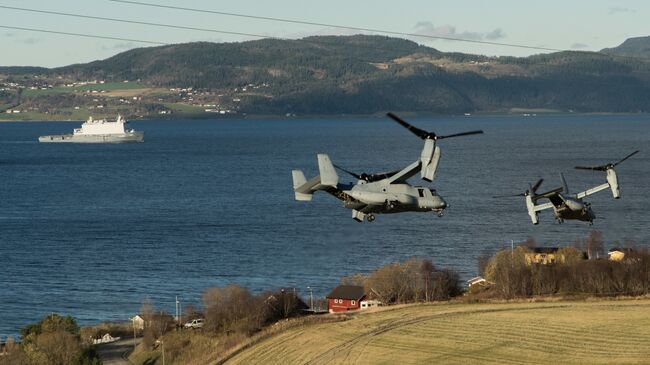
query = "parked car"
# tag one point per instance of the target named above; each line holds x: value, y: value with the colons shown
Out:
x: 195, y: 323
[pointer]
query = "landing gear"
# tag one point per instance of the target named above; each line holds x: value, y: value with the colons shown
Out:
x: 559, y: 220
x: 440, y: 213
x: 370, y: 217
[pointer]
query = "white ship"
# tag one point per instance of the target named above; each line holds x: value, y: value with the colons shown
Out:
x: 99, y: 131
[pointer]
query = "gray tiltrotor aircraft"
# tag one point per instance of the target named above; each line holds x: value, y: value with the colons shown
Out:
x: 382, y: 192
x: 570, y: 206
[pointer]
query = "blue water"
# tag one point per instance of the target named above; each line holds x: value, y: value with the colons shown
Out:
x: 93, y: 230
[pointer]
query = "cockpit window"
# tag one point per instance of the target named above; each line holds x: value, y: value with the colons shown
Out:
x: 433, y: 192
x: 421, y: 192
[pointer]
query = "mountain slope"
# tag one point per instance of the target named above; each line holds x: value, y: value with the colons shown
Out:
x: 633, y: 47
x: 364, y: 74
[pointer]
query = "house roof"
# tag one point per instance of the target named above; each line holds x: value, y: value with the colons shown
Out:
x: 628, y: 249
x: 347, y: 292
x: 545, y: 249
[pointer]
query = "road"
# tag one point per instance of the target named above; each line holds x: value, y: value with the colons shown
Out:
x: 116, y: 353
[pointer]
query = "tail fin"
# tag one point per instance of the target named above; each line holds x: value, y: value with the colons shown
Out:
x: 328, y: 175
x: 299, y: 181
x: 298, y: 178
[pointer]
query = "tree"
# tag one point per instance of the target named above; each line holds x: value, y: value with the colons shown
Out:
x: 426, y: 270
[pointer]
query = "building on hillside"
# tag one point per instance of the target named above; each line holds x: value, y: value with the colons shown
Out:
x: 345, y: 298
x: 543, y: 256
x: 618, y: 254
x: 367, y: 304
x: 478, y: 281
x: 137, y: 321
x: 288, y: 297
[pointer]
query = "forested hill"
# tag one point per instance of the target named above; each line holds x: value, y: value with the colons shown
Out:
x: 633, y: 47
x: 368, y: 74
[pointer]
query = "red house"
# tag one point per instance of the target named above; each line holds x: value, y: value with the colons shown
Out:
x: 345, y: 298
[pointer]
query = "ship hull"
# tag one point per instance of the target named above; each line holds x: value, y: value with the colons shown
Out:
x: 99, y: 138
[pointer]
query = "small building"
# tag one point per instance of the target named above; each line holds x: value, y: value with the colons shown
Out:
x: 618, y: 254
x: 543, y: 256
x: 137, y: 321
x: 367, y: 304
x: 107, y: 338
x: 345, y: 298
x: 478, y: 281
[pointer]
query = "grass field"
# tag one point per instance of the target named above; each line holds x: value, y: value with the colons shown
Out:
x: 589, y: 332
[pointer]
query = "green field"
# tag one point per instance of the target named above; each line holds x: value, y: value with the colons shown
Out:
x: 591, y: 332
x: 108, y: 86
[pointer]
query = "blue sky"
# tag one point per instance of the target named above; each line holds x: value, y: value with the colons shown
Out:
x: 584, y: 25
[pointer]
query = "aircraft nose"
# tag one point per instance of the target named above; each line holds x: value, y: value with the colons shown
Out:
x: 441, y: 203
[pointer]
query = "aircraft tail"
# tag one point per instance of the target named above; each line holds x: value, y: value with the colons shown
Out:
x: 300, y: 186
x: 328, y: 175
x: 328, y: 178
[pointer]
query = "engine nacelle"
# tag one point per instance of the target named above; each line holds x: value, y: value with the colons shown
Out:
x: 531, y: 209
x: 612, y: 180
x: 429, y: 159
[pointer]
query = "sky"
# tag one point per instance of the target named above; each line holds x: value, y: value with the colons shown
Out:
x: 572, y: 25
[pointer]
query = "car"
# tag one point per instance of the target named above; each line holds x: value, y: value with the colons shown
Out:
x: 194, y: 324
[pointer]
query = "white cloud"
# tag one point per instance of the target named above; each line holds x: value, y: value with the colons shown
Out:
x: 579, y: 46
x: 30, y: 40
x: 449, y: 31
x: 621, y: 10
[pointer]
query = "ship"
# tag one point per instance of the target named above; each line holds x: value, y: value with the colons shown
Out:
x: 99, y: 131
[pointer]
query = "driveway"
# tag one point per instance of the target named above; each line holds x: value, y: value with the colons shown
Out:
x: 116, y: 353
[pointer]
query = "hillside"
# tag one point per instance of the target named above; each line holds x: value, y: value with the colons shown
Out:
x: 598, y: 332
x: 327, y: 75
x: 633, y: 47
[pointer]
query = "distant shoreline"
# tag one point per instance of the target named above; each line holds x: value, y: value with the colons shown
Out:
x: 519, y: 113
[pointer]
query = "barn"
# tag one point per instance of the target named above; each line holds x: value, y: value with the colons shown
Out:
x: 345, y: 298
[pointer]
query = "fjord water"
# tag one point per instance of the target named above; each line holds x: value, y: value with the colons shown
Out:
x: 93, y: 230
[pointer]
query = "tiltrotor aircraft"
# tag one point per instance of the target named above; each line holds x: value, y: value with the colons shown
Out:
x: 566, y: 205
x: 381, y: 192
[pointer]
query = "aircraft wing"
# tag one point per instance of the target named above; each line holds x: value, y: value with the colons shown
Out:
x: 553, y: 195
x: 593, y: 190
x: 543, y: 206
x: 406, y: 173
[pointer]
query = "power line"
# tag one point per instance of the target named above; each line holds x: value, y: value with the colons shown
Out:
x: 337, y: 26
x: 82, y: 35
x: 132, y: 22
x: 83, y: 16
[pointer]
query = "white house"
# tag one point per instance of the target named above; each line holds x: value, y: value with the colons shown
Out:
x: 138, y: 322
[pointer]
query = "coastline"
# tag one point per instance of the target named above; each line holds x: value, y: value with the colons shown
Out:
x: 518, y: 113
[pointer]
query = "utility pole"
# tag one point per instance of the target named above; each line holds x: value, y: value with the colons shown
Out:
x: 134, y: 342
x: 163, y: 351
x: 178, y: 305
x: 311, y: 298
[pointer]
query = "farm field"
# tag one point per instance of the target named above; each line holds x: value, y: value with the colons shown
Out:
x: 587, y: 332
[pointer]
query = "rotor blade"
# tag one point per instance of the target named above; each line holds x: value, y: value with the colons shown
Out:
x: 509, y: 196
x: 549, y: 193
x: 626, y: 157
x: 417, y: 131
x: 348, y: 171
x: 594, y: 168
x: 537, y: 185
x: 460, y: 134
x: 381, y: 176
